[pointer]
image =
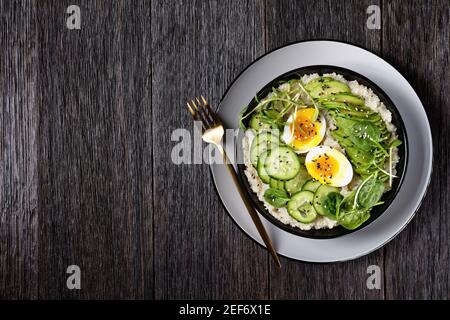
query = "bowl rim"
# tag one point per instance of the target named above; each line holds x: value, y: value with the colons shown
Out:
x: 402, y: 165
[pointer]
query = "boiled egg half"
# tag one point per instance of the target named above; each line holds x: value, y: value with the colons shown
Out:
x: 329, y: 166
x: 301, y: 132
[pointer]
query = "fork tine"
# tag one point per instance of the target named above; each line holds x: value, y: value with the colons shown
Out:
x: 204, y: 119
x: 208, y: 109
x: 190, y: 110
x: 194, y: 114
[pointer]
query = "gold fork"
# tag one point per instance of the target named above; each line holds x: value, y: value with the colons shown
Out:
x: 212, y: 132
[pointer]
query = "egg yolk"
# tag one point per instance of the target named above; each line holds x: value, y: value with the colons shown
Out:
x: 324, y: 168
x: 303, y: 129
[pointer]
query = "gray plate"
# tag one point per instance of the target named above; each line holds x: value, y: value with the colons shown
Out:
x: 418, y: 171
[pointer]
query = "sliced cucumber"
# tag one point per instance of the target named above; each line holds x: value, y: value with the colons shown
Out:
x: 271, y: 137
x: 319, y: 200
x: 261, y: 143
x: 311, y: 185
x: 255, y: 151
x: 282, y: 163
x: 261, y: 171
x: 294, y: 185
x: 328, y: 88
x: 301, y: 208
x: 261, y: 122
x: 343, y: 97
x: 276, y: 184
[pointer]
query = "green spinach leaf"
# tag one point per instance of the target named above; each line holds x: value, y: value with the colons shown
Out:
x: 366, y: 130
x: 349, y: 216
x: 370, y: 193
x: 353, y: 218
x: 365, y: 135
x: 276, y: 197
x: 331, y: 204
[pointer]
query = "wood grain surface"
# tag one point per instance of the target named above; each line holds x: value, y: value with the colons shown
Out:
x: 417, y: 261
x: 18, y: 151
x: 86, y: 122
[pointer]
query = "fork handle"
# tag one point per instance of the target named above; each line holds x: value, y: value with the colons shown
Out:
x: 249, y: 205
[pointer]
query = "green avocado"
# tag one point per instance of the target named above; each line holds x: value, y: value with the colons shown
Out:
x: 343, y: 97
x: 317, y: 82
x: 327, y: 88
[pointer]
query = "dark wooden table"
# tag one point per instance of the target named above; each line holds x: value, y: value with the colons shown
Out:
x: 85, y: 136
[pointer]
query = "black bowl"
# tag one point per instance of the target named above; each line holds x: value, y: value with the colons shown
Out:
x: 388, y: 197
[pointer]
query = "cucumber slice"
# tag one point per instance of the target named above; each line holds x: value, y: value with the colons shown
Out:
x: 328, y: 88
x: 311, y: 185
x: 277, y: 184
x: 260, y: 168
x: 255, y: 151
x: 319, y: 200
x: 282, y: 163
x: 262, y: 143
x: 272, y: 136
x: 261, y: 122
x: 294, y: 185
x: 343, y: 97
x: 301, y: 208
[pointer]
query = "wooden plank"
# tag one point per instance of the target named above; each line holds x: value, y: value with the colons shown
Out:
x: 289, y: 21
x: 416, y: 40
x: 199, y: 47
x: 18, y: 166
x: 95, y: 178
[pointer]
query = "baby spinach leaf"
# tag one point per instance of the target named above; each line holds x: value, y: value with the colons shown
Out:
x: 353, y: 218
x: 344, y: 125
x: 276, y: 197
x: 367, y: 131
x: 331, y: 204
x: 354, y: 210
x: 370, y: 193
x: 365, y: 135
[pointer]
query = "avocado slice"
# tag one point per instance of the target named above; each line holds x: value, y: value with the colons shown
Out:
x: 317, y: 82
x: 329, y: 87
x: 343, y: 97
